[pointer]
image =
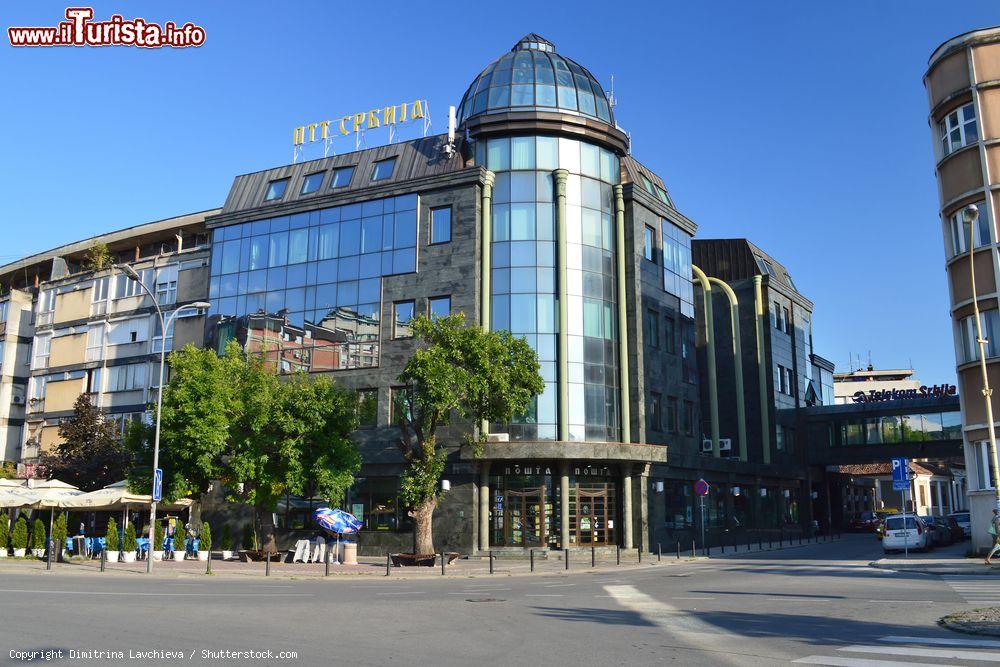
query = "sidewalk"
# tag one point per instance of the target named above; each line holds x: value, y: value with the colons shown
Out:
x: 943, y: 560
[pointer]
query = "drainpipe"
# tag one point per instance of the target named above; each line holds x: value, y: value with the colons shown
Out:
x: 734, y: 310
x: 762, y: 370
x: 560, y: 176
x: 713, y: 389
x: 486, y: 263
x: 620, y: 255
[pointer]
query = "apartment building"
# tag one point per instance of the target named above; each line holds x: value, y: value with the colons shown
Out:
x: 16, y: 329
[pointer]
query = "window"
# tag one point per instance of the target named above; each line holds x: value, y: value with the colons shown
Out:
x: 984, y: 472
x: 123, y: 332
x: 647, y: 184
x: 782, y: 379
x: 779, y: 437
x: 41, y: 351
x: 653, y: 413
x: 652, y: 328
x: 687, y: 420
x: 95, y: 342
x: 99, y: 296
x: 649, y: 247
x: 786, y: 320
x: 399, y: 407
x: 130, y: 377
x: 312, y: 182
x: 958, y: 230
x: 662, y: 194
x: 990, y: 322
x: 958, y: 129
x: 441, y: 224
x: 159, y: 342
x: 126, y: 287
x: 777, y: 317
x: 342, y: 177
x: 671, y: 415
x: 367, y: 407
x: 383, y: 169
x: 670, y: 334
x: 789, y: 381
x: 439, y: 306
x: 276, y: 189
x: 402, y: 317
x: 166, y: 292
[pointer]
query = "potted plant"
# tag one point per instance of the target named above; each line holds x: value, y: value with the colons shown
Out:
x: 129, y: 544
x: 4, y: 534
x: 205, y: 542
x: 156, y: 548
x: 179, y: 536
x: 38, y: 539
x: 19, y: 538
x: 59, y: 533
x: 111, y: 541
x: 226, y: 542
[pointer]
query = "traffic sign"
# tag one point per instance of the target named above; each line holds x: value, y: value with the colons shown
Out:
x: 157, y: 485
x: 900, y: 474
x: 701, y: 487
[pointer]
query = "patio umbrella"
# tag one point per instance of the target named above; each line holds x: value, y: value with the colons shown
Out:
x: 39, y: 494
x: 338, y: 522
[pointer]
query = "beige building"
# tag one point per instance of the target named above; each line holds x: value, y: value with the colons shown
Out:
x: 16, y: 328
x: 963, y: 87
x: 97, y: 332
x: 866, y: 380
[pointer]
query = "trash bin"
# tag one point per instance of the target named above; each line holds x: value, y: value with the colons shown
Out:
x: 350, y: 553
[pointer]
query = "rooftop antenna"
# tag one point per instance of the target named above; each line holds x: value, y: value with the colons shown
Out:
x: 449, y: 148
x: 612, y: 100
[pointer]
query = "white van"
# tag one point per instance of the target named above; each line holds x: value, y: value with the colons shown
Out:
x: 913, y: 535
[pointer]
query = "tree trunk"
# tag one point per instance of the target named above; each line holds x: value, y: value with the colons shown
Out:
x: 267, y: 542
x: 422, y: 519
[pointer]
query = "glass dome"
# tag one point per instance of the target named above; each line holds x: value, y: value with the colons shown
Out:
x: 533, y: 76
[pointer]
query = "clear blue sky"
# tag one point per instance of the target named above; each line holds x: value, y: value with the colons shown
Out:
x: 799, y: 125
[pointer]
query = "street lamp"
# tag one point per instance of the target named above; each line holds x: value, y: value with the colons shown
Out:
x: 970, y: 215
x: 129, y: 272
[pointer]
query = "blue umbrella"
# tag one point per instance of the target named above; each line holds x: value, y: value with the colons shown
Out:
x: 336, y: 521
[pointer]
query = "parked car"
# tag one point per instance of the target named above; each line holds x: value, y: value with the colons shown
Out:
x: 865, y: 522
x: 964, y: 521
x: 939, y: 532
x: 957, y: 532
x: 905, y: 532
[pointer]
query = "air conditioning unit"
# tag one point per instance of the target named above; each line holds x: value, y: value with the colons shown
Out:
x: 17, y: 400
x: 706, y: 446
x: 725, y: 444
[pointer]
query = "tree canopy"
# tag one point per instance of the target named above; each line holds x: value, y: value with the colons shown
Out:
x: 91, y: 455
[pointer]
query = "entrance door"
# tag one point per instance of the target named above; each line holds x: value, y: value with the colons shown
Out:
x: 524, y: 520
x: 594, y: 520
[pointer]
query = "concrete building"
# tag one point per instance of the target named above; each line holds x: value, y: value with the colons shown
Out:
x: 867, y: 380
x: 16, y: 330
x: 963, y: 88
x: 96, y: 332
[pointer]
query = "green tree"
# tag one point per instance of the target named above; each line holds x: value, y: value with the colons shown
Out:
x: 19, y: 536
x: 232, y: 419
x: 226, y: 538
x: 129, y: 543
x: 38, y: 534
x: 90, y: 455
x: 98, y: 257
x: 205, y: 537
x: 4, y: 532
x: 458, y: 371
x: 59, y: 529
x: 158, y: 534
x: 111, y: 537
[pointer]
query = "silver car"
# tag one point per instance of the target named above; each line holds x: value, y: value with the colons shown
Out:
x: 964, y: 522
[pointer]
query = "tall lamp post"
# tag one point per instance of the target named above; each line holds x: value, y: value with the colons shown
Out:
x: 129, y: 272
x: 970, y: 215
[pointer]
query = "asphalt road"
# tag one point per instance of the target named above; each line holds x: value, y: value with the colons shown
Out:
x: 818, y: 604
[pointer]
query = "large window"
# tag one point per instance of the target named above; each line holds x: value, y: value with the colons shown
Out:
x: 958, y: 129
x: 375, y: 501
x: 367, y: 407
x: 441, y: 224
x: 40, y: 352
x: 342, y: 177
x: 676, y: 253
x: 127, y: 287
x: 382, y: 170
x: 402, y: 316
x: 438, y: 306
x: 959, y: 230
x: 990, y: 322
x: 312, y: 182
x: 276, y: 189
x: 130, y: 377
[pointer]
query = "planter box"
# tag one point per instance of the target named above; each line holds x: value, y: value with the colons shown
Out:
x: 3, y: 552
x: 178, y: 556
x: 203, y: 555
x: 128, y: 556
x: 38, y: 553
x: 113, y: 556
x: 19, y: 553
x: 157, y: 555
x: 226, y: 555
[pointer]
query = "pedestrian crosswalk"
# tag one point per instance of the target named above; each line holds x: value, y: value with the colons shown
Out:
x: 895, y: 651
x: 983, y: 590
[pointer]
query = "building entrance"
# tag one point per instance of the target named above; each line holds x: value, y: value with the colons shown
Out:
x: 522, y: 510
x: 592, y: 513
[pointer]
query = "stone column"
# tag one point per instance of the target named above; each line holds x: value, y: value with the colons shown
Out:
x: 878, y: 494
x: 564, y: 504
x: 763, y: 371
x: 627, y: 541
x: 620, y: 257
x: 485, y: 264
x: 484, y: 506
x: 560, y: 176
x: 940, y: 501
x: 951, y: 496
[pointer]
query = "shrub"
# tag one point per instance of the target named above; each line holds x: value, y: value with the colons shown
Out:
x: 129, y: 543
x: 226, y: 541
x: 157, y: 537
x: 179, y: 535
x: 205, y: 540
x: 59, y: 530
x: 19, y: 538
x: 111, y: 538
x: 248, y: 537
x: 4, y: 531
x: 38, y: 535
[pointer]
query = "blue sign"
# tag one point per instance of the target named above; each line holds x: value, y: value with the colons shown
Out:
x: 900, y: 475
x: 157, y: 485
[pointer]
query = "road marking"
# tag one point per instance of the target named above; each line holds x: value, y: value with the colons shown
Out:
x: 838, y: 661
x: 143, y: 594
x: 943, y: 641
x: 692, y: 598
x: 403, y: 593
x: 949, y: 654
x: 667, y: 617
x: 558, y: 585
x: 544, y: 595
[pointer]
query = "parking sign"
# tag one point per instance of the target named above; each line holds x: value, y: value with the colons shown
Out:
x: 900, y: 475
x: 157, y: 485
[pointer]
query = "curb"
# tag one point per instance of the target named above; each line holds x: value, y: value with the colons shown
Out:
x: 945, y: 570
x: 955, y: 624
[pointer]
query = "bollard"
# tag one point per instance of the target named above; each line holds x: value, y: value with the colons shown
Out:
x: 722, y: 546
x: 388, y: 564
x: 326, y: 563
x: 443, y: 563
x: 593, y: 557
x: 267, y: 567
x: 491, y: 562
x: 566, y: 551
x: 640, y: 554
x: 659, y: 552
x: 618, y: 555
x: 693, y: 554
x: 48, y: 561
x: 531, y: 556
x: 104, y: 558
x: 678, y: 551
x: 208, y: 567
x: 760, y: 542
